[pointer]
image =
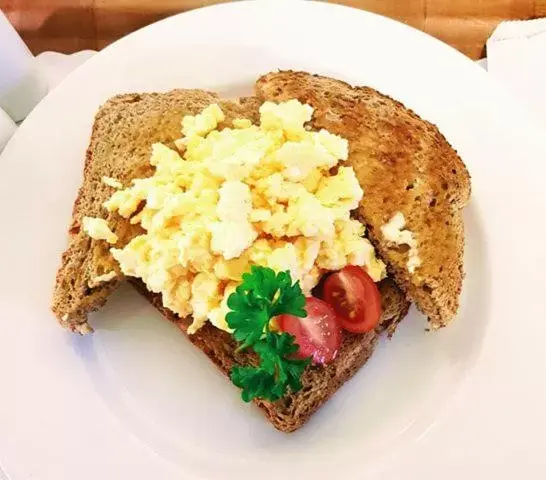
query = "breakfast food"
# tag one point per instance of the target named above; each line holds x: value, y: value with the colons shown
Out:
x: 250, y: 195
x: 235, y: 219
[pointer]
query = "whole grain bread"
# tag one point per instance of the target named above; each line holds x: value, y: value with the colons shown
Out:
x: 404, y: 164
x: 319, y: 383
x: 124, y: 130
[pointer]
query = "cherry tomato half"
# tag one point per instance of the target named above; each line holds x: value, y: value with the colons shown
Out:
x: 355, y: 299
x: 318, y: 335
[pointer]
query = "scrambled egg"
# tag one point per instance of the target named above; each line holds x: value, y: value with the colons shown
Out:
x: 394, y: 232
x: 98, y: 229
x: 252, y: 194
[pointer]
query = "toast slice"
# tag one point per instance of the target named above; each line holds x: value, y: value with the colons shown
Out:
x: 125, y: 128
x: 319, y: 383
x: 404, y: 164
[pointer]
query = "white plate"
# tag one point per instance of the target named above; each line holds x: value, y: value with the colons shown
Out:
x: 135, y: 400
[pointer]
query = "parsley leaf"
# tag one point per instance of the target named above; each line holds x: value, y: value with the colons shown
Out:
x: 262, y: 295
x: 271, y: 379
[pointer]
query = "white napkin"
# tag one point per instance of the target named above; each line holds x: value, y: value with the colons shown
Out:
x: 516, y: 55
x: 55, y: 66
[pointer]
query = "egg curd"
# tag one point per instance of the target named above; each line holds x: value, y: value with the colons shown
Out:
x: 252, y: 194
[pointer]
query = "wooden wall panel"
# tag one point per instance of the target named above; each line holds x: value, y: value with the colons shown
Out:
x: 59, y: 25
x: 115, y: 16
x: 410, y: 12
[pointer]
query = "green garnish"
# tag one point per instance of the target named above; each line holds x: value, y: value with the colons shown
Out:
x: 262, y: 295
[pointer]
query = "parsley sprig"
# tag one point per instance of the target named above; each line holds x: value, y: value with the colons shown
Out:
x: 262, y: 295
